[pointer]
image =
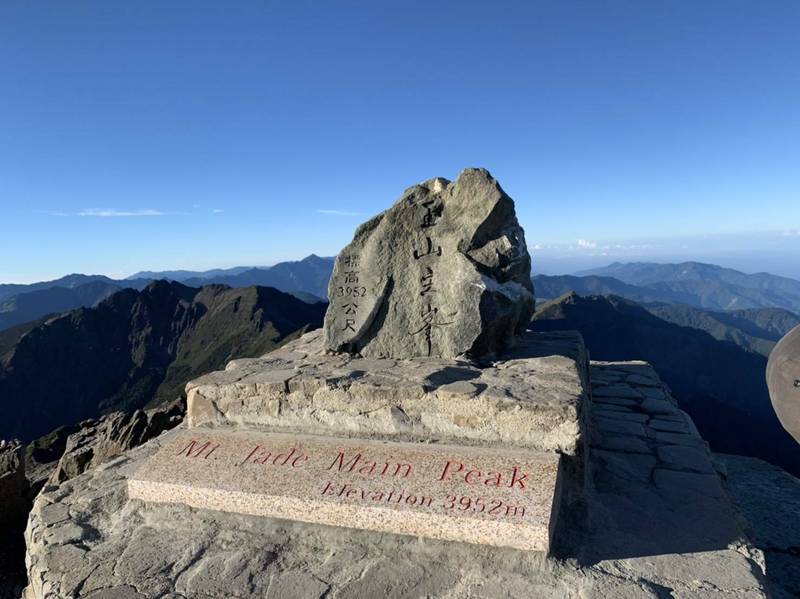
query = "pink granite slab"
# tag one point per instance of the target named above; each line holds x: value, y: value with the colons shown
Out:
x: 470, y: 494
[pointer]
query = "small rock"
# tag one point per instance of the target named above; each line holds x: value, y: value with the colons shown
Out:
x: 685, y: 458
x: 679, y: 439
x: 617, y: 401
x: 67, y: 532
x: 603, y: 408
x: 668, y: 425
x: 653, y: 392
x: 620, y: 426
x: 623, y: 443
x: 288, y: 585
x: 644, y: 381
x: 678, y: 483
x: 636, y: 467
x: 625, y: 391
x: 117, y: 592
x: 616, y: 414
x: 53, y: 513
x: 657, y: 406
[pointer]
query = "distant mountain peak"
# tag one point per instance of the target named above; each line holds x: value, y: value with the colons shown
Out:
x: 137, y: 347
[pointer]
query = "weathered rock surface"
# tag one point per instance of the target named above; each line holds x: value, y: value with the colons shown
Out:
x: 13, y: 484
x: 769, y: 499
x: 629, y: 538
x: 532, y: 398
x: 14, y: 505
x: 98, y: 441
x: 442, y: 273
x: 61, y: 455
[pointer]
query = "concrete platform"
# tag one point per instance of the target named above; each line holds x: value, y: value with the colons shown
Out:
x: 533, y: 398
x: 652, y: 523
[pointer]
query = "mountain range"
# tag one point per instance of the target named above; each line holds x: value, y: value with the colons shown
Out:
x: 688, y: 294
x: 695, y: 284
x: 69, y: 282
x: 757, y: 327
x: 721, y: 385
x: 136, y: 348
x: 24, y: 307
x: 707, y: 285
x: 132, y: 347
x: 307, y: 279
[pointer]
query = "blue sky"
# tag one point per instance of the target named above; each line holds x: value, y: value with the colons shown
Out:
x: 198, y: 134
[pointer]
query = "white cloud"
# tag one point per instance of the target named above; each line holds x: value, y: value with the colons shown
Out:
x: 113, y: 213
x: 217, y: 211
x: 53, y: 212
x: 583, y: 243
x: 795, y: 233
x: 338, y: 212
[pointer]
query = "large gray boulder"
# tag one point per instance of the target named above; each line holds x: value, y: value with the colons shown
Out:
x: 444, y: 272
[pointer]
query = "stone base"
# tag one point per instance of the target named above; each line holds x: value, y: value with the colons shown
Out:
x: 475, y: 495
x: 660, y: 524
x: 533, y: 398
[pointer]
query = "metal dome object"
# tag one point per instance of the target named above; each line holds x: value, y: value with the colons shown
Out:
x: 783, y: 380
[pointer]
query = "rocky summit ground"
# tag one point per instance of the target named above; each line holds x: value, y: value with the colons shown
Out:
x: 658, y: 521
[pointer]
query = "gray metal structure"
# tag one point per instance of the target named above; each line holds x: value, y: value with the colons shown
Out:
x: 783, y: 380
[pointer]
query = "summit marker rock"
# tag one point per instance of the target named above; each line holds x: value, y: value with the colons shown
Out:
x: 444, y: 272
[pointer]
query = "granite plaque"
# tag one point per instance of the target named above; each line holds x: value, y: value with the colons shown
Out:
x: 469, y: 494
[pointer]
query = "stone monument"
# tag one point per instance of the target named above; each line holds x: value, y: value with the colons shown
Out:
x: 423, y: 407
x: 442, y: 273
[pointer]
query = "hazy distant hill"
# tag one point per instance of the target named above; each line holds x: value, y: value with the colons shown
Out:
x: 135, y: 348
x: 721, y: 385
x: 707, y: 285
x: 757, y: 330
x: 69, y: 282
x: 23, y: 307
x: 309, y: 275
x: 774, y: 322
x: 306, y: 279
x: 553, y: 286
x: 183, y: 275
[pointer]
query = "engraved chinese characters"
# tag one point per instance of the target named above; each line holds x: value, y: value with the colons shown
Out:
x: 350, y: 289
x: 426, y: 251
x: 442, y: 273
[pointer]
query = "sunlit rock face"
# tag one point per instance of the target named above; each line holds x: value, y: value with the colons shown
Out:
x: 444, y: 272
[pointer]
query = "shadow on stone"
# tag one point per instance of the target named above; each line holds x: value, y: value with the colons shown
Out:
x: 639, y: 504
x: 769, y: 498
x: 451, y: 374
